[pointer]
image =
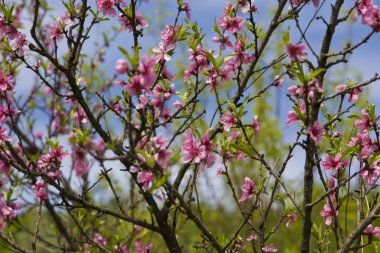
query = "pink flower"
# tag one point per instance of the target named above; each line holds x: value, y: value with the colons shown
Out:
x: 372, y: 231
x: 233, y: 136
x: 364, y: 123
x: 296, y: 52
x: 292, y: 218
x: 224, y: 41
x: 135, y: 87
x: 228, y: 120
x: 252, y: 238
x: 6, y: 82
x: 193, y: 149
x: 145, y: 177
x: 145, y: 68
x: 230, y: 23
x: 292, y: 117
x: 141, y: 249
x: 8, y: 212
x: 57, y: 153
x: 315, y: 131
x: 278, y: 81
x: 163, y: 51
x: 296, y: 2
x: 200, y: 152
x: 120, y: 249
x: 99, y: 239
x: 106, y: 7
x: 340, y: 88
x: 80, y: 162
x: 256, y: 125
x: 269, y: 249
x: 354, y: 94
x: 336, y: 162
x: 248, y: 189
x: 19, y: 44
x: 121, y: 66
x: 186, y: 7
x: 139, y: 21
x: 55, y: 33
x: 177, y: 104
x: 162, y: 157
x: 3, y: 135
x: 329, y: 213
x: 39, y: 187
x: 219, y: 172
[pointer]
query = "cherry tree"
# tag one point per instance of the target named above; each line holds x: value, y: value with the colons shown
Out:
x: 92, y: 161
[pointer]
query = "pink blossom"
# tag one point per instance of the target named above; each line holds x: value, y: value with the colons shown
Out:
x: 57, y: 153
x: 256, y: 125
x: 224, y: 41
x: 340, y: 88
x: 186, y: 7
x: 248, y: 189
x: 7, y: 29
x: 6, y: 82
x: 354, y: 94
x: 177, y: 104
x: 8, y: 212
x: 252, y: 238
x: 316, y: 131
x: 163, y: 51
x: 41, y: 192
x: 120, y: 249
x: 372, y: 231
x: 19, y: 44
x: 296, y: 2
x: 193, y: 149
x: 269, y: 249
x: 336, y: 162
x: 292, y: 117
x: 139, y: 21
x: 121, y: 66
x: 292, y: 218
x: 364, y: 123
x: 99, y: 239
x: 328, y: 213
x: 219, y: 172
x: 3, y: 135
x: 233, y: 136
x: 80, y: 162
x: 241, y: 55
x: 55, y: 33
x: 141, y: 249
x: 228, y: 120
x: 80, y: 116
x: 230, y: 23
x: 146, y: 71
x: 162, y: 157
x: 200, y: 152
x: 370, y: 173
x: 296, y: 52
x: 144, y: 178
x: 106, y: 7
x: 135, y: 86
x: 278, y: 81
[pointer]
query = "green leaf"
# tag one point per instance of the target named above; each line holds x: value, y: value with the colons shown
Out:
x: 159, y: 182
x: 315, y: 73
x: 126, y: 54
x: 211, y: 58
x: 286, y: 36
